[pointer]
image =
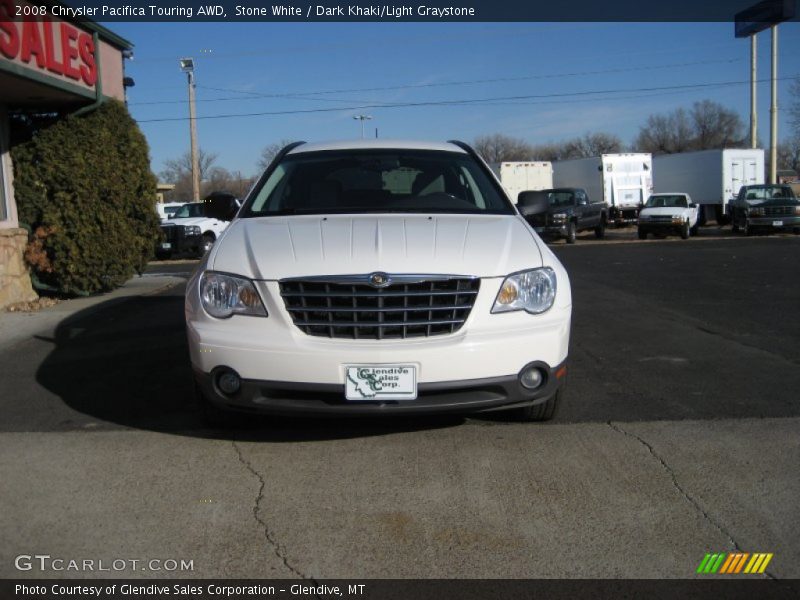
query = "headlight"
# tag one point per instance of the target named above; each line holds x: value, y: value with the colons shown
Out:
x: 559, y: 216
x: 225, y: 295
x: 756, y: 212
x: 677, y: 219
x: 533, y: 291
x: 191, y: 229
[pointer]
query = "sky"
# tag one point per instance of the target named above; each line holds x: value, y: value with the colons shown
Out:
x: 535, y: 81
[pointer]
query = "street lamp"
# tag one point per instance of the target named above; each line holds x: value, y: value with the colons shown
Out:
x: 187, y: 66
x: 362, y: 118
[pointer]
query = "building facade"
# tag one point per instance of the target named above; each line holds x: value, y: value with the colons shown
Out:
x: 47, y: 65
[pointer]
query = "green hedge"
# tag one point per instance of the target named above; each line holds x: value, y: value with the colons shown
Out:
x: 84, y: 188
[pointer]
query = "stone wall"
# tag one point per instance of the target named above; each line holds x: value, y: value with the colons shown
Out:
x: 15, y: 282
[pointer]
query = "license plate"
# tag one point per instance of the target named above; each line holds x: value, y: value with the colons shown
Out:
x: 380, y: 382
x: 166, y: 245
x: 777, y: 223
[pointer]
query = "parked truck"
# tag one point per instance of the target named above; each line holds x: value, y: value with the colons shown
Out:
x: 711, y: 177
x: 623, y: 181
x: 524, y: 176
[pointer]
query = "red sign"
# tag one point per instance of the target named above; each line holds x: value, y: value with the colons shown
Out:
x: 47, y: 44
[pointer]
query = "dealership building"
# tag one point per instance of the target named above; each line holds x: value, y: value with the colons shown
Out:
x: 47, y: 65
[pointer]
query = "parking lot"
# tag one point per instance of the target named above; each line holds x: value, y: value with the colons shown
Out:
x: 680, y: 435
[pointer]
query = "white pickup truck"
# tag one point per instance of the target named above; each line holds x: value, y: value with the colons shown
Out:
x: 668, y: 213
x: 195, y: 227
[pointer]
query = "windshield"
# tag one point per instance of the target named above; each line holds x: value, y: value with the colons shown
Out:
x: 194, y: 209
x: 768, y: 192
x: 564, y: 198
x: 677, y: 201
x: 369, y: 181
x: 170, y: 210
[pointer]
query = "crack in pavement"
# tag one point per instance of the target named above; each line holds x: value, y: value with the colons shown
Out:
x: 691, y: 500
x: 268, y: 535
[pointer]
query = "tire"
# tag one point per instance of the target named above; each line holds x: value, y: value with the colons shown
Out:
x: 208, y: 242
x: 685, y: 231
x: 600, y: 230
x: 541, y: 412
x: 694, y: 230
x: 734, y: 224
x: 746, y: 229
x: 642, y: 234
x: 571, y: 232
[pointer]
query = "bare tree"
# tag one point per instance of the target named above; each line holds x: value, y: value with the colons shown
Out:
x: 666, y: 134
x: 715, y: 126
x: 269, y: 152
x: 591, y: 144
x: 178, y: 171
x: 177, y: 168
x: 794, y: 107
x: 498, y: 148
x: 222, y: 180
x: 789, y: 153
x: 707, y: 125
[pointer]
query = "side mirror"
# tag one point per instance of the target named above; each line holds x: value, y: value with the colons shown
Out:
x: 532, y: 203
x: 692, y: 205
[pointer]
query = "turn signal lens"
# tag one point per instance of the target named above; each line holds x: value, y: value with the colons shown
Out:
x: 508, y: 293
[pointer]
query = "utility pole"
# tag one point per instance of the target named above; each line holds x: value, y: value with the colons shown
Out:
x: 773, y: 111
x: 362, y: 118
x: 187, y: 66
x: 753, y: 113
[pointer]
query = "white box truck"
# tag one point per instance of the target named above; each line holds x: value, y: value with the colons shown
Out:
x: 623, y: 181
x: 524, y: 176
x: 711, y: 177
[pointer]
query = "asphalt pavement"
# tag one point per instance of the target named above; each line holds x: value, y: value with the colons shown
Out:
x: 679, y: 436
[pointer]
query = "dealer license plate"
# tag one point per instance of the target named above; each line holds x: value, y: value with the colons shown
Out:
x: 380, y: 382
x: 777, y: 223
x: 166, y: 245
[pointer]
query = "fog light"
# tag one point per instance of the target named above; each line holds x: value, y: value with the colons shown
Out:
x: 531, y: 378
x: 228, y: 382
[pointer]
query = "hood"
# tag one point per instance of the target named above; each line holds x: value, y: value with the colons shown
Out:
x: 774, y: 202
x: 186, y: 221
x: 300, y: 246
x: 662, y: 211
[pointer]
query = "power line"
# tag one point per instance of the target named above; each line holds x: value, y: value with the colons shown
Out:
x: 302, y: 95
x: 472, y: 101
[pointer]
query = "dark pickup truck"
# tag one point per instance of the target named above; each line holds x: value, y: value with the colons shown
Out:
x: 570, y: 211
x: 765, y: 207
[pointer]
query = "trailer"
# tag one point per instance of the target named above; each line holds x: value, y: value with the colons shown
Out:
x: 623, y: 181
x: 524, y: 176
x: 711, y: 177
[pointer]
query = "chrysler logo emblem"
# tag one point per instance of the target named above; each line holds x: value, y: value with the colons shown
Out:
x: 379, y: 280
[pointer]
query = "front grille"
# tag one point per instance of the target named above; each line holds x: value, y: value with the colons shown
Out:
x: 400, y: 310
x: 661, y: 219
x: 778, y: 211
x: 171, y: 233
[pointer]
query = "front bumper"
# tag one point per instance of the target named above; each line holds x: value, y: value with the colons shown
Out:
x: 661, y: 226
x: 179, y: 242
x: 474, y: 368
x: 311, y: 399
x: 559, y: 229
x: 778, y: 223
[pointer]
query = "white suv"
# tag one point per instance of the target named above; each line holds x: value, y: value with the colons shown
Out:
x: 380, y: 277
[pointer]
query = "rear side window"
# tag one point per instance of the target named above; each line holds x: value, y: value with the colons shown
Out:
x: 368, y: 181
